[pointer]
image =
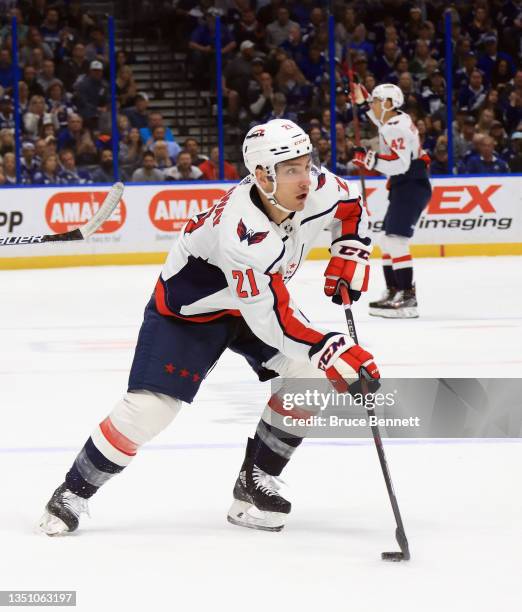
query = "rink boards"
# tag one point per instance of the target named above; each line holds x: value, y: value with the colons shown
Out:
x: 466, y: 216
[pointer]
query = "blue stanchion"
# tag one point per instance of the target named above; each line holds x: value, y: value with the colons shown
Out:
x: 331, y: 66
x: 221, y: 143
x: 16, y: 99
x: 114, y: 114
x: 449, y: 89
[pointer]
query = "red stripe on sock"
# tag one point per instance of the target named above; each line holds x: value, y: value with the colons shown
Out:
x: 403, y: 258
x: 276, y: 405
x: 386, y: 256
x: 117, y: 439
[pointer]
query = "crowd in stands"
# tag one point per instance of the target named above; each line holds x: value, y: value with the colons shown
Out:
x: 276, y: 65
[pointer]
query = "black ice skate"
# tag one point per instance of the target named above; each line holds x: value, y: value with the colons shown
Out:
x: 62, y: 513
x: 257, y: 504
x: 403, y: 305
x: 375, y: 308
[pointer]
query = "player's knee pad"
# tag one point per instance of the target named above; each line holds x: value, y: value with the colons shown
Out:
x: 141, y: 415
x: 395, y: 246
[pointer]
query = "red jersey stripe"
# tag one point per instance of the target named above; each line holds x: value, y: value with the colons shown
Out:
x: 291, y: 326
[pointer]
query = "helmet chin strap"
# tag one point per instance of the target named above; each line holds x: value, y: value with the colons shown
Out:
x: 271, y: 196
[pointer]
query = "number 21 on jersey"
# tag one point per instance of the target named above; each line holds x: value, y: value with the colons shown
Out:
x: 240, y: 278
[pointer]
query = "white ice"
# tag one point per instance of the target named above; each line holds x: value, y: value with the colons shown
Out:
x: 158, y: 538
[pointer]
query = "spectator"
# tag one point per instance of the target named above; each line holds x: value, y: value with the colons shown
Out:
x: 249, y: 28
x: 79, y: 139
x: 3, y: 180
x: 313, y: 65
x: 92, y: 95
x: 74, y: 67
x: 161, y: 155
x: 486, y: 162
x: 359, y: 41
x: 313, y: 30
x: 502, y: 144
x: 131, y: 152
x: 323, y: 152
x: 138, y: 115
x: 491, y: 55
x: 463, y: 75
x: 513, y: 112
x: 29, y: 77
x: 434, y: 95
x: 277, y: 31
x: 501, y: 75
x: 50, y: 29
x: 36, y: 116
x: 126, y: 89
x: 183, y: 170
x: 191, y: 145
x: 345, y: 27
x: 485, y: 121
x: 23, y: 97
x: 6, y: 113
x: 59, y: 103
x: 47, y: 74
x: 202, y: 49
x: 291, y: 81
x: 9, y: 163
x: 294, y: 46
x: 238, y: 71
x: 261, y: 91
x: 480, y: 25
x: 70, y: 173
x: 6, y: 69
x: 29, y: 166
x: 385, y: 64
x: 464, y: 138
x: 492, y: 102
x: 7, y: 141
x: 34, y: 41
x: 419, y: 59
x: 159, y: 134
x: 155, y: 120
x: 439, y: 162
x: 210, y: 168
x: 97, y: 49
x: 105, y: 173
x: 280, y: 109
x: 49, y: 173
x: 515, y: 163
x: 473, y: 95
x: 148, y: 173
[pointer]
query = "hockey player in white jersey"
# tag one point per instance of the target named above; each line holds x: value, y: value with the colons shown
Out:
x: 223, y: 286
x: 402, y: 159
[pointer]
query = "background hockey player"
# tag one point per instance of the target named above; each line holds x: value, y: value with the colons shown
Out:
x: 223, y: 286
x: 402, y: 159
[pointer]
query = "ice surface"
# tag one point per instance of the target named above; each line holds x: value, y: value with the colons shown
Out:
x: 158, y: 539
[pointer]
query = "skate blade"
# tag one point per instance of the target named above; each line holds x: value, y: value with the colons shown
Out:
x: 403, y: 313
x: 52, y: 525
x: 244, y: 514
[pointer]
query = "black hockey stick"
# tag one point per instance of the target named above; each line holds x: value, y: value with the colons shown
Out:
x: 81, y: 233
x: 400, y: 534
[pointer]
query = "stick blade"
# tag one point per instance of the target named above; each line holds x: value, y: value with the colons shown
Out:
x: 105, y: 211
x: 394, y: 556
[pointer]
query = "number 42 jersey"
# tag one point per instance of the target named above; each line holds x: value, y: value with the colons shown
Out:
x: 232, y: 260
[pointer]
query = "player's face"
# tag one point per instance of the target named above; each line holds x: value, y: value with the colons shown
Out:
x: 293, y: 182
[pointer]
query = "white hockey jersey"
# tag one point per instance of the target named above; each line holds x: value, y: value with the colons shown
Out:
x: 233, y: 260
x: 399, y: 145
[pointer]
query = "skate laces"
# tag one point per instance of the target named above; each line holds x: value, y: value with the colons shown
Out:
x: 266, y: 483
x: 75, y: 503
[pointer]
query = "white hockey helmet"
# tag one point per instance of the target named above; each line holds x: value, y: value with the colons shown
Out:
x: 389, y: 91
x: 270, y: 143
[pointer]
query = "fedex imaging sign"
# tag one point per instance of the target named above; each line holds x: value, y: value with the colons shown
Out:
x: 461, y: 210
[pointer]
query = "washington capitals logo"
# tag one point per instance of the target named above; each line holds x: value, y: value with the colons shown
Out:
x: 259, y: 132
x: 249, y: 235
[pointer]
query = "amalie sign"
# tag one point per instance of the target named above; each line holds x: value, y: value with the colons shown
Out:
x: 170, y: 209
x: 68, y: 210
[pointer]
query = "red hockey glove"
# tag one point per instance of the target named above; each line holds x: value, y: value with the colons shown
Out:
x: 349, y: 264
x: 364, y: 159
x: 342, y: 361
